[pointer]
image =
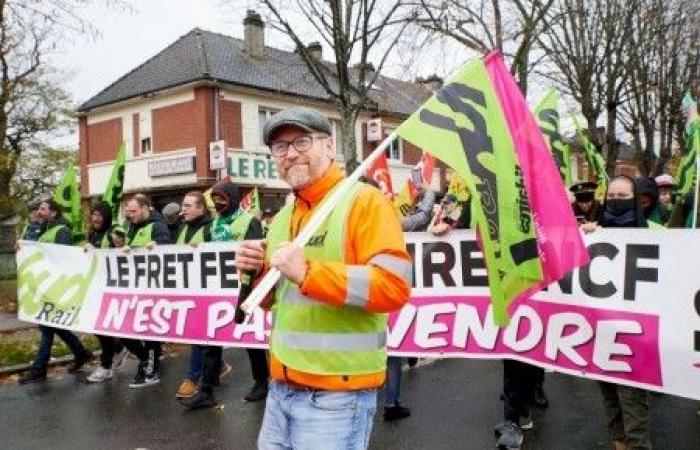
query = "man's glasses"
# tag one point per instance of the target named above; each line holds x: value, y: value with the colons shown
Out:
x: 302, y: 144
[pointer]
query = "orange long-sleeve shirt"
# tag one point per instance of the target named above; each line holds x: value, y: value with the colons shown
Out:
x: 373, y: 228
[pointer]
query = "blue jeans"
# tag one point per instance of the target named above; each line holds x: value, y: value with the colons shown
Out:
x: 44, y: 353
x: 298, y: 418
x: 392, y: 389
x: 194, y: 372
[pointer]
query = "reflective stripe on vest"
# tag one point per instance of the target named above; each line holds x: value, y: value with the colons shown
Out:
x: 317, y: 337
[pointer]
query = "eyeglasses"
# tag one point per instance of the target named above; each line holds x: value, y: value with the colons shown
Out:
x: 302, y: 144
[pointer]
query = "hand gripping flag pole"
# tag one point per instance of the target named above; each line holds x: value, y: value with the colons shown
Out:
x: 273, y: 275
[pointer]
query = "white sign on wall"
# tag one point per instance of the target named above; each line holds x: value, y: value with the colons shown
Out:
x: 171, y: 166
x: 217, y: 155
x: 374, y: 130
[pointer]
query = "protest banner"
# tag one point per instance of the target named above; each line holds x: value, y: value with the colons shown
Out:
x: 632, y: 316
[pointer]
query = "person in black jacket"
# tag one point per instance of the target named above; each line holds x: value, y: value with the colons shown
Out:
x: 35, y: 224
x: 144, y: 230
x: 56, y: 232
x: 99, y: 236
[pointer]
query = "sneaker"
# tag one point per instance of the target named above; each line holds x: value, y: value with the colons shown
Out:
x: 257, y: 392
x: 509, y: 436
x: 100, y: 374
x: 187, y: 389
x: 540, y: 398
x: 225, y: 369
x: 32, y: 377
x: 142, y: 379
x: 119, y: 359
x: 396, y: 412
x: 80, y: 360
x: 200, y: 400
x: 526, y: 422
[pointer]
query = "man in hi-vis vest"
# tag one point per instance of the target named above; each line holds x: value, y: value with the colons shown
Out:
x: 328, y: 341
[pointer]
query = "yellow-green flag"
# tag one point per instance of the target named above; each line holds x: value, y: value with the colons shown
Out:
x: 547, y: 115
x: 596, y: 162
x: 115, y: 186
x: 687, y: 169
x: 464, y: 125
x: 67, y: 195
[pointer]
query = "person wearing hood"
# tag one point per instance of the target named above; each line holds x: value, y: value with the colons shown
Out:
x: 145, y: 230
x: 56, y: 232
x: 627, y: 408
x: 100, y: 236
x: 648, y: 196
x: 232, y: 224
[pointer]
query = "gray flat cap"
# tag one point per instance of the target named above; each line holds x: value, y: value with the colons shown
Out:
x: 305, y: 118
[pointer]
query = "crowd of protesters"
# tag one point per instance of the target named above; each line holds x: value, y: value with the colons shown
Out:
x: 378, y: 261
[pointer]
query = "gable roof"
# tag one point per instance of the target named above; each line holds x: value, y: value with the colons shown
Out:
x: 202, y: 55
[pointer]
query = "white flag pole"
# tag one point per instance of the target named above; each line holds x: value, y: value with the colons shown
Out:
x: 273, y: 275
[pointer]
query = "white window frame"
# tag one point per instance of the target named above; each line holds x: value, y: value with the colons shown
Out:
x: 337, y: 135
x: 396, y: 144
x: 268, y: 112
x: 145, y: 131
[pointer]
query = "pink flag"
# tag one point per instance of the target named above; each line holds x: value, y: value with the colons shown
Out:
x: 559, y: 240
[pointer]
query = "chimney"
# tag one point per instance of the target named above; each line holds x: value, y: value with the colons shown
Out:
x: 316, y: 50
x: 254, y: 34
x: 433, y: 82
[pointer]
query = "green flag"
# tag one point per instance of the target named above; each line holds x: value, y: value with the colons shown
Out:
x: 67, y: 195
x: 687, y: 168
x: 464, y: 126
x: 547, y: 115
x: 115, y: 186
x: 596, y: 162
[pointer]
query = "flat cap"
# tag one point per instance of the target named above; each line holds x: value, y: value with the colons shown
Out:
x: 586, y: 186
x: 305, y: 118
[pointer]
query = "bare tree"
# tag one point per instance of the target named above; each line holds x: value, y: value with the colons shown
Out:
x: 510, y: 26
x: 33, y: 106
x: 663, y: 59
x: 359, y: 31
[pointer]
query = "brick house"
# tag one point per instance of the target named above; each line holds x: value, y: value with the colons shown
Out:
x: 207, y: 87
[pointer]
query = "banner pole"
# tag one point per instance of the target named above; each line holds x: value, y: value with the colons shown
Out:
x: 273, y: 275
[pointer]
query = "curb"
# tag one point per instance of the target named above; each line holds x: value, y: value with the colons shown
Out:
x: 61, y: 361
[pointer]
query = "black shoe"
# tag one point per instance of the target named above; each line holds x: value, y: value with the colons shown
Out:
x: 257, y: 392
x: 540, y: 398
x: 396, y: 412
x: 32, y: 377
x: 142, y: 378
x: 509, y: 435
x: 199, y: 400
x: 80, y: 360
x: 412, y: 362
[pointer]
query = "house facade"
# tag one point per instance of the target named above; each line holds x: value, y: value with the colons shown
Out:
x: 206, y: 88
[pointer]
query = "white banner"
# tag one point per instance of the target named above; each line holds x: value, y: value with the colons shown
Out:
x: 631, y: 317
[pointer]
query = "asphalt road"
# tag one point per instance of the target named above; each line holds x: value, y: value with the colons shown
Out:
x: 454, y: 405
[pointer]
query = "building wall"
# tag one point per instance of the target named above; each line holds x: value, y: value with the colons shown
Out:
x: 174, y: 126
x: 103, y: 140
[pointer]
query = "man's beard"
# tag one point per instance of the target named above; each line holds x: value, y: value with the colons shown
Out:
x: 297, y: 176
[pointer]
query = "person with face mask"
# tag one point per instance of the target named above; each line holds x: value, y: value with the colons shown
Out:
x: 649, y: 198
x: 586, y: 207
x: 627, y: 408
x: 56, y: 231
x: 99, y: 236
x: 233, y: 224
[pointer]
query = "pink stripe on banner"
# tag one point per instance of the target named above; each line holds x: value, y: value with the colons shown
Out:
x: 559, y: 239
x: 202, y: 318
x: 617, y: 344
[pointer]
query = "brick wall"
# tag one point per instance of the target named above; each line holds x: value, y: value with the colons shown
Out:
x: 204, y: 133
x: 103, y: 140
x: 136, y: 126
x: 83, y: 154
x: 174, y: 127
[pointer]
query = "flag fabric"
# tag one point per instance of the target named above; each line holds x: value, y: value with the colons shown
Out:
x: 251, y: 202
x: 547, y: 114
x: 209, y: 203
x: 458, y: 187
x: 404, y: 200
x: 115, y: 186
x: 596, y: 162
x: 479, y: 124
x: 426, y: 165
x: 687, y: 168
x: 67, y: 195
x: 379, y: 172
